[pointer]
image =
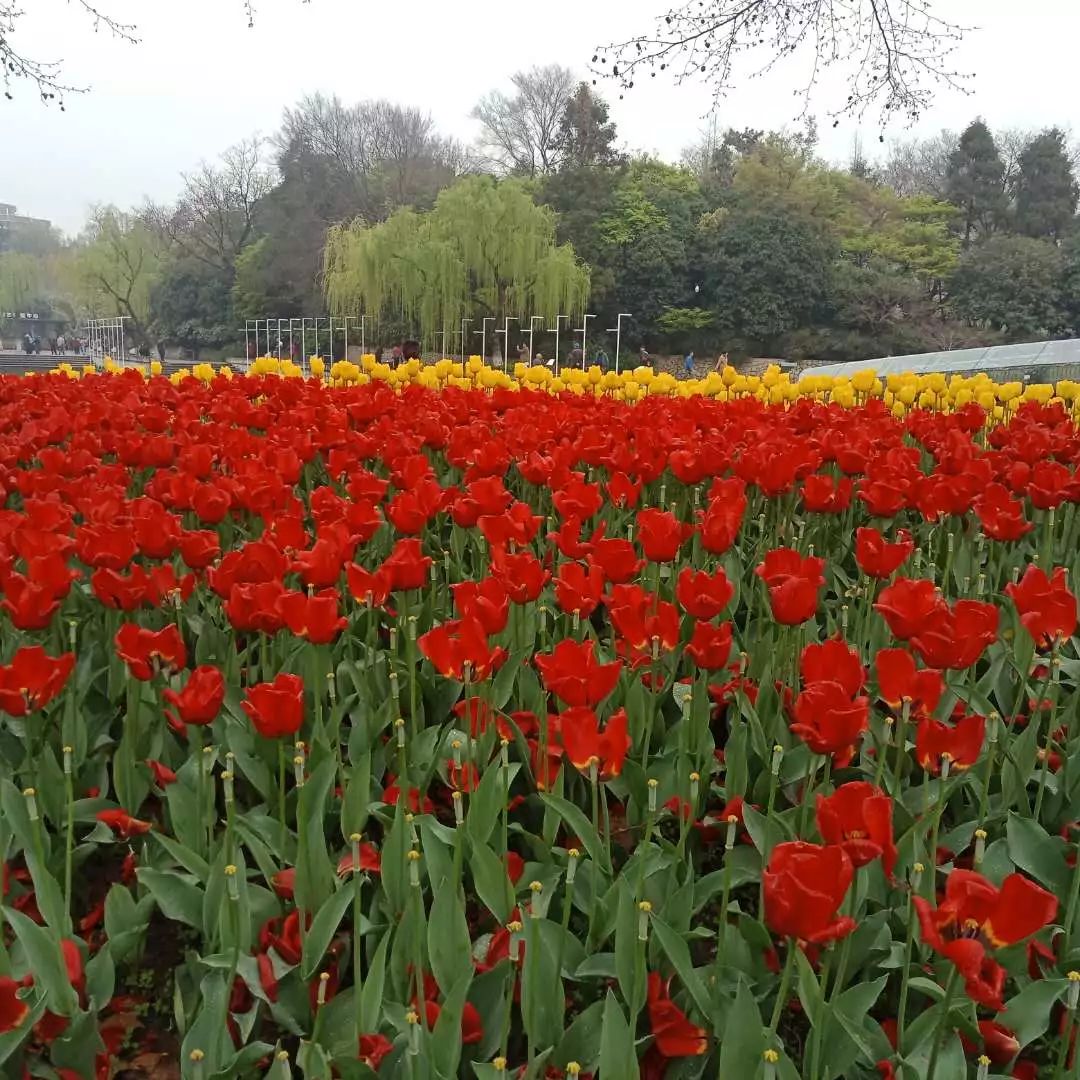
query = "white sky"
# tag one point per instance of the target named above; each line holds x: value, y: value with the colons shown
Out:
x: 200, y: 80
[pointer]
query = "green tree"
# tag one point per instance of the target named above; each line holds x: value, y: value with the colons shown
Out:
x: 765, y: 273
x: 113, y: 267
x: 22, y: 282
x: 1012, y: 284
x: 586, y: 132
x: 190, y: 306
x: 1046, y: 191
x: 485, y: 249
x: 974, y: 181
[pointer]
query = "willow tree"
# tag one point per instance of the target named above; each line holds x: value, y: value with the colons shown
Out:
x: 484, y: 250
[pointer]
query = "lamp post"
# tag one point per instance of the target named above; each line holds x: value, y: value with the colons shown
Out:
x: 558, y: 321
x: 617, y: 331
x: 583, y: 331
x: 532, y: 320
x: 505, y: 331
x: 464, y: 343
x: 483, y: 336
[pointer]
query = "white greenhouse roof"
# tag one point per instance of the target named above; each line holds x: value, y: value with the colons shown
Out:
x: 969, y: 361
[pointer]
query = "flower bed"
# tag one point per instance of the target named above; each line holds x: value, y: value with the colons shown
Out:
x: 413, y: 729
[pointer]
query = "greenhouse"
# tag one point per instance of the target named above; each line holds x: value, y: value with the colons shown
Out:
x: 1036, y: 362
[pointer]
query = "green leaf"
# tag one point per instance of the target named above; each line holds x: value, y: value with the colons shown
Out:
x: 188, y: 859
x: 583, y: 1036
x: 542, y: 997
x: 209, y: 1032
x: 446, y: 1035
x: 678, y: 952
x: 618, y: 1058
x: 371, y: 997
x: 578, y: 824
x: 743, y: 1040
x: 449, y: 943
x: 765, y: 832
x: 46, y: 961
x: 177, y: 898
x: 629, y: 951
x: 355, y: 806
x: 489, y: 801
x: 1028, y: 1014
x: 809, y: 989
x: 323, y: 927
x: 314, y: 871
x: 125, y: 921
x: 1037, y: 853
x: 491, y: 882
x: 100, y: 978
x: 393, y: 861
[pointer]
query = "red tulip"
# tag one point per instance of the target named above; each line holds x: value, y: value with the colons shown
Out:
x: 899, y: 681
x: 572, y: 673
x: 577, y: 499
x: 459, y: 650
x: 673, y: 1033
x: 721, y: 521
x: 108, y: 546
x: 32, y: 679
x: 199, y: 549
x: 367, y: 588
x: 146, y: 652
x: 486, y: 601
x: 974, y: 917
x: 201, y: 698
x: 955, y: 638
x: 821, y: 494
x: 710, y: 646
x: 960, y: 745
x: 1000, y: 515
x: 661, y: 534
x: 858, y: 817
x: 314, y: 618
x: 256, y: 607
x: 372, y: 1050
x: 828, y: 720
x: 370, y: 863
x: 1046, y: 606
x: 642, y: 620
x: 163, y: 775
x: 320, y: 568
x: 521, y: 575
x: 406, y: 567
x: 29, y: 606
x: 616, y: 559
x: 517, y: 525
x: 877, y: 557
x: 122, y: 823
x: 907, y: 603
x: 276, y: 710
x: 579, y: 590
x: 804, y: 886
x: 586, y: 745
x: 622, y: 491
x: 793, y: 582
x: 703, y: 595
x: 833, y: 661
x: 13, y: 1010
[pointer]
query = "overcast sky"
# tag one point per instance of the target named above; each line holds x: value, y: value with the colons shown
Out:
x: 200, y: 80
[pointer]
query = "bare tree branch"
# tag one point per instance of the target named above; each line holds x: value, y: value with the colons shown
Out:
x: 894, y: 52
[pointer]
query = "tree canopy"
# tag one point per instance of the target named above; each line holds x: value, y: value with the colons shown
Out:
x: 485, y: 249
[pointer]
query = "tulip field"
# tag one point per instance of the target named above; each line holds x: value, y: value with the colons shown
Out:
x: 430, y: 724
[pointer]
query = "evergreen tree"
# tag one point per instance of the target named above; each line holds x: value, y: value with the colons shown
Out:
x: 586, y: 134
x: 974, y: 181
x: 1046, y: 190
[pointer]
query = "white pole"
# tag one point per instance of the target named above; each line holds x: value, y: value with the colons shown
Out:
x: 617, y: 331
x: 583, y: 331
x: 506, y: 338
x: 347, y: 337
x: 464, y: 342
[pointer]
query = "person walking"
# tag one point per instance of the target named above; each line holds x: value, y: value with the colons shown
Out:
x: 688, y: 364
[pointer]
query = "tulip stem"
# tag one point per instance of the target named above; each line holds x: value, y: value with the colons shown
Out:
x: 782, y: 993
x: 804, y: 816
x: 905, y: 977
x: 942, y: 1024
x: 195, y: 735
x: 1070, y: 911
x: 1051, y: 674
x: 901, y: 744
x: 281, y: 791
x: 358, y: 952
x: 1065, y: 1043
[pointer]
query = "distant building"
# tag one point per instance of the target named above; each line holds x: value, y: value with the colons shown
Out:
x: 20, y: 233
